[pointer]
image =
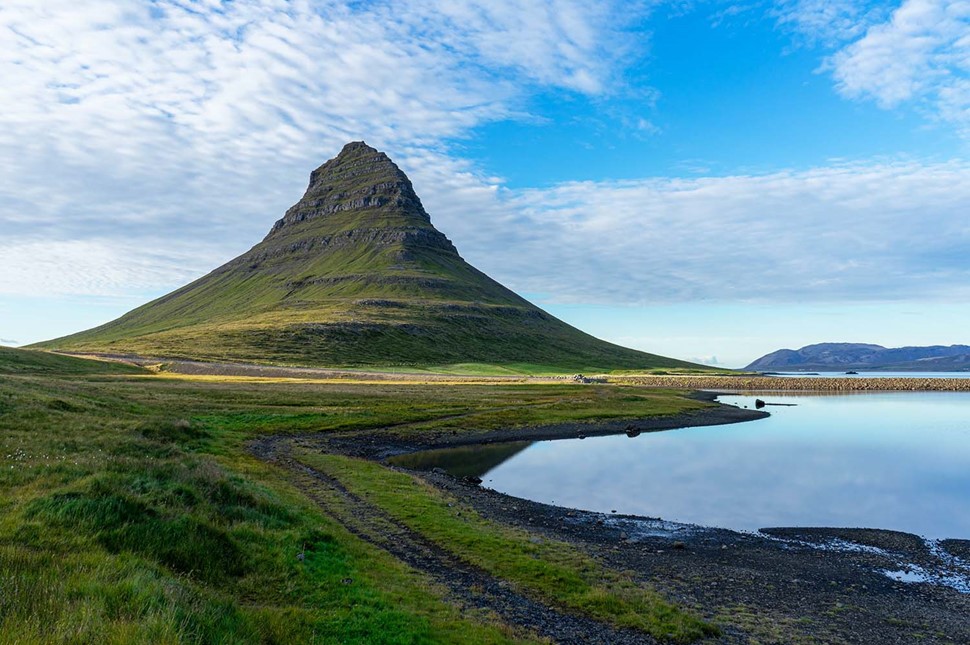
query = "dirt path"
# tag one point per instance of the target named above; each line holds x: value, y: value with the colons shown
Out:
x: 468, y: 586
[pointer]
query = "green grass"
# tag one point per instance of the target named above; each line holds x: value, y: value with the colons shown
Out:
x: 131, y: 512
x: 549, y: 570
x: 22, y: 361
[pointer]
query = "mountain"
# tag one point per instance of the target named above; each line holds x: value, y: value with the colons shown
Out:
x: 354, y: 274
x: 857, y: 356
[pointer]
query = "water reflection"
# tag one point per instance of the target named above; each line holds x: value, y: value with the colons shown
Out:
x: 465, y: 461
x: 894, y: 460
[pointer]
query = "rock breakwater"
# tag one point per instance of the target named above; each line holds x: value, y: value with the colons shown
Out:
x: 799, y: 384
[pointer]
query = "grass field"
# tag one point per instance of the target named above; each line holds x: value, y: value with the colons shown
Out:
x: 130, y: 511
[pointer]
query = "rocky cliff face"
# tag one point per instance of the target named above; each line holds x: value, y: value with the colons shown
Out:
x: 360, y: 198
x: 359, y: 177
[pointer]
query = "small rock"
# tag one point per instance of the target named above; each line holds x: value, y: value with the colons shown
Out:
x: 437, y: 470
x: 624, y: 536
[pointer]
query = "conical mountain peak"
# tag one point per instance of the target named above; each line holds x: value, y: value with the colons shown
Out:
x: 354, y: 274
x: 359, y: 179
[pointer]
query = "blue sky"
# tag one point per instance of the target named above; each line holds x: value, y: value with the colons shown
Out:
x: 707, y: 180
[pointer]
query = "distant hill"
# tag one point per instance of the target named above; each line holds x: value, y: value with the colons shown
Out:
x: 829, y: 357
x: 355, y: 274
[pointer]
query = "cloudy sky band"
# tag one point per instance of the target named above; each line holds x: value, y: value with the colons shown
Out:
x: 143, y: 143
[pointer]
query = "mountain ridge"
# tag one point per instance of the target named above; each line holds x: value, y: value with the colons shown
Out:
x: 355, y: 274
x: 864, y: 356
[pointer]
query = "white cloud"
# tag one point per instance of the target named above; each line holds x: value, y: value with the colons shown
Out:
x: 142, y: 144
x: 95, y: 267
x: 879, y: 231
x: 825, y: 22
x: 856, y: 232
x: 140, y: 124
x: 921, y: 53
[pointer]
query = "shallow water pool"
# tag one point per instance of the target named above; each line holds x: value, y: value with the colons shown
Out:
x: 894, y: 461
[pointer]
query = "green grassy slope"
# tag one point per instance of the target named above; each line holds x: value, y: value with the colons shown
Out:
x: 356, y: 275
x: 27, y: 361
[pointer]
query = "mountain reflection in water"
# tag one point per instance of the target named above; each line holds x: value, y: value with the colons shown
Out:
x: 464, y: 461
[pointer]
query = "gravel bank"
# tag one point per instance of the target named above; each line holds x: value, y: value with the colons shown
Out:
x: 798, y: 384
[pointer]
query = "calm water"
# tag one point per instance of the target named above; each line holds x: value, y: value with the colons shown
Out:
x: 896, y: 461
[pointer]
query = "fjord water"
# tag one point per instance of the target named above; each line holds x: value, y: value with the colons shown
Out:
x: 894, y: 461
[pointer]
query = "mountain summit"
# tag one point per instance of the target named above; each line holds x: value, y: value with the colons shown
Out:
x: 354, y: 274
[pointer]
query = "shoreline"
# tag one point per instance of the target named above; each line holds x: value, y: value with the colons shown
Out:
x: 378, y: 446
x: 820, y: 584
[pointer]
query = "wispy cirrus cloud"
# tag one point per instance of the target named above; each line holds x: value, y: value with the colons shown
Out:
x: 826, y: 22
x: 916, y: 53
x: 142, y: 144
x: 875, y: 231
x: 125, y: 122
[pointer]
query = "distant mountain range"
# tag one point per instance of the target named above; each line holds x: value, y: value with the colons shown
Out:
x: 836, y: 357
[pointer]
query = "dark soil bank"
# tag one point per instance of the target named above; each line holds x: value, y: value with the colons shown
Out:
x: 381, y: 444
x: 781, y: 585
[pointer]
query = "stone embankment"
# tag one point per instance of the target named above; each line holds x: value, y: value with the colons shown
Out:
x: 799, y: 384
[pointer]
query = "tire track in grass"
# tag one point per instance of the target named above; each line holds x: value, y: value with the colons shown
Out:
x: 469, y: 586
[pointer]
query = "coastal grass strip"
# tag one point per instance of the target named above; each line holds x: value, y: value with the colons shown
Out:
x: 548, y: 570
